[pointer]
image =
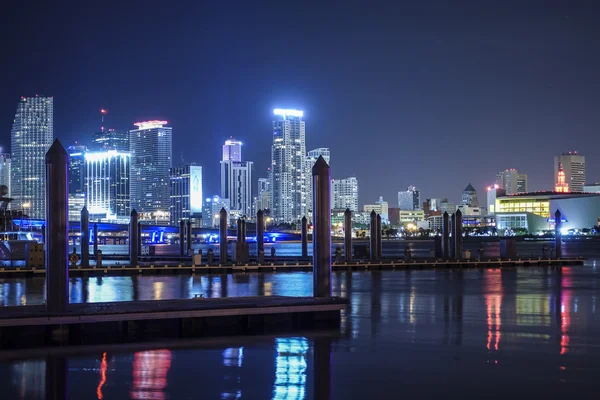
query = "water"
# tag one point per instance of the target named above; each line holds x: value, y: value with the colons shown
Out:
x: 412, y: 334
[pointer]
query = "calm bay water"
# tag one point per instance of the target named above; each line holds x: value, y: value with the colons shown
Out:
x: 413, y: 334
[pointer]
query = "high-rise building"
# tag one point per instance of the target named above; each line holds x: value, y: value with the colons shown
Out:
x: 211, y: 207
x: 493, y: 192
x: 110, y: 139
x: 236, y: 178
x: 345, y: 194
x: 469, y: 197
x: 311, y: 158
x: 5, y: 170
x: 232, y: 150
x: 76, y: 168
x: 186, y: 192
x: 106, y: 185
x: 151, y: 147
x: 561, y: 181
x: 574, y: 168
x: 511, y: 181
x: 380, y: 207
x: 263, y: 200
x: 410, y: 199
x: 31, y: 137
x: 288, y: 154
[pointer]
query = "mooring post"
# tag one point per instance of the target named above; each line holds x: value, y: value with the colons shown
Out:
x: 304, y: 237
x: 458, y: 232
x: 373, y: 237
x: 243, y: 237
x: 189, y: 237
x: 223, y: 236
x: 44, y: 235
x: 379, y: 238
x: 260, y: 233
x: 139, y: 238
x: 56, y: 378
x: 85, y: 237
x: 238, y: 233
x: 133, y: 238
x: 95, y: 239
x: 348, y: 235
x: 445, y: 235
x: 181, y: 237
x: 453, y: 235
x: 321, y: 229
x: 57, y: 217
x: 558, y: 234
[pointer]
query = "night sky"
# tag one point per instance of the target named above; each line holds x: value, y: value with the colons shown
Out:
x: 434, y: 94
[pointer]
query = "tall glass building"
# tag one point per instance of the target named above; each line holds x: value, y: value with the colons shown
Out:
x: 5, y: 174
x: 186, y: 192
x: 150, y: 146
x: 76, y: 166
x: 232, y: 150
x: 108, y: 138
x: 410, y: 199
x: 106, y: 180
x: 31, y: 137
x: 288, y: 154
x: 236, y: 185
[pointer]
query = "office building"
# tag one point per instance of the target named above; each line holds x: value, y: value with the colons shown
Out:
x: 345, y: 194
x: 288, y: 154
x: 512, y: 181
x: 76, y: 204
x: 211, y: 207
x: 469, y: 197
x: 31, y: 137
x: 574, y: 168
x: 410, y: 199
x: 380, y: 207
x: 106, y: 185
x: 264, y: 194
x: 151, y: 147
x: 109, y: 138
x: 186, y: 193
x: 236, y: 178
x: 232, y: 150
x: 5, y: 170
x: 75, y: 168
x: 406, y: 216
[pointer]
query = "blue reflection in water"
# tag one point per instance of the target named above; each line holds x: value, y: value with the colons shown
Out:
x: 233, y: 359
x: 290, y: 369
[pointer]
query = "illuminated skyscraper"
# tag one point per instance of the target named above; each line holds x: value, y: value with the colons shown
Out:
x: 561, y: 183
x: 236, y: 185
x: 76, y: 167
x: 345, y: 194
x: 511, y: 181
x: 108, y: 138
x: 410, y: 199
x: 574, y: 168
x: 210, y: 211
x: 311, y: 158
x: 469, y: 197
x: 287, y: 165
x: 232, y: 150
x: 106, y: 185
x: 31, y: 137
x: 5, y: 170
x: 151, y: 147
x: 186, y: 192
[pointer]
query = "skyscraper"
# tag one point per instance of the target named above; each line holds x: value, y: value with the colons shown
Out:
x: 108, y: 138
x: 186, y: 192
x: 106, y: 184
x: 512, y: 181
x: 5, y: 173
x: 561, y: 183
x: 31, y: 137
x: 263, y: 201
x: 236, y: 185
x: 410, y: 199
x: 574, y: 168
x: 232, y: 150
x: 345, y: 194
x: 288, y: 154
x: 469, y: 197
x: 311, y: 158
x: 76, y: 168
x: 210, y: 211
x: 151, y: 147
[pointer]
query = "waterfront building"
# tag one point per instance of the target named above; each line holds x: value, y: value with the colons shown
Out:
x: 406, y: 216
x: 76, y: 168
x: 151, y: 147
x: 237, y: 185
x: 288, y: 166
x: 5, y: 171
x: 410, y: 199
x: 211, y: 207
x: 345, y: 194
x: 535, y: 211
x: 493, y: 192
x: 469, y: 197
x: 592, y: 188
x: 232, y: 150
x: 106, y: 177
x: 31, y: 136
x: 512, y: 181
x: 573, y: 166
x: 185, y: 193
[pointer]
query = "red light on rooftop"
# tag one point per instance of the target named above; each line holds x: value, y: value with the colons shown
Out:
x: 103, y: 111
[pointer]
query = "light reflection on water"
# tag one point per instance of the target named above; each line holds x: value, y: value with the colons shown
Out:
x: 442, y: 333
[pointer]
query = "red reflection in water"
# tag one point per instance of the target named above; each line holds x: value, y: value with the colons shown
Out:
x: 103, y: 366
x: 150, y: 370
x: 493, y: 302
x: 565, y: 311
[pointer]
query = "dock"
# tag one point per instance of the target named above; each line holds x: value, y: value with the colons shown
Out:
x: 291, y: 266
x: 115, y: 322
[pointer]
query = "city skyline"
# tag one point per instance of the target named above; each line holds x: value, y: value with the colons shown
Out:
x: 544, y: 105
